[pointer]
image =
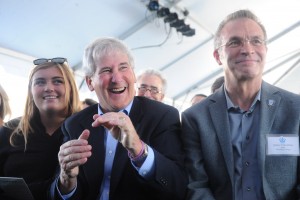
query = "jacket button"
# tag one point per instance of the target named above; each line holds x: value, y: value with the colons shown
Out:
x: 163, y: 181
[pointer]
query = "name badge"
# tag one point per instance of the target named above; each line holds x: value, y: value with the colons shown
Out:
x: 286, y: 144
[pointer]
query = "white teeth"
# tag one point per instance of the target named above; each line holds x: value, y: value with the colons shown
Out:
x: 117, y: 89
x: 50, y: 97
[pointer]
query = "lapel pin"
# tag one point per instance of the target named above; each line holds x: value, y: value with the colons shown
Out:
x: 271, y: 102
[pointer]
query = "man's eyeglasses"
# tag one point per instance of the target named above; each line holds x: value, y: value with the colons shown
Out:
x: 45, y: 60
x: 152, y: 90
x: 238, y: 42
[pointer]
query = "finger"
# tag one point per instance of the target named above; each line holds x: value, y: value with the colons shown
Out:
x: 82, y: 140
x: 84, y: 135
x: 68, y: 146
x: 107, y: 117
x: 122, y: 137
x: 76, y: 159
x: 102, y: 120
x: 96, y: 116
x: 76, y: 163
x: 122, y: 120
x: 96, y: 121
x: 72, y: 160
x: 74, y: 150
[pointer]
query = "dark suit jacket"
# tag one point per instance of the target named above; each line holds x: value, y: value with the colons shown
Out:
x: 158, y: 125
x: 207, y: 142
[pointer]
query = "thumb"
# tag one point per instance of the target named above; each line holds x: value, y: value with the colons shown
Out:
x: 84, y: 135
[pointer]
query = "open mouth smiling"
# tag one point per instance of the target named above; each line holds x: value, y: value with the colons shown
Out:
x: 117, y: 90
x: 50, y: 97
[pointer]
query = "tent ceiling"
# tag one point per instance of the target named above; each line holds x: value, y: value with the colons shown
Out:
x: 40, y: 28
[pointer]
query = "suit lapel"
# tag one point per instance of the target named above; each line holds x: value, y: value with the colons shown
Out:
x: 269, y: 105
x: 121, y: 156
x: 94, y: 167
x: 221, y: 124
x: 136, y: 113
x: 270, y: 101
x: 95, y: 162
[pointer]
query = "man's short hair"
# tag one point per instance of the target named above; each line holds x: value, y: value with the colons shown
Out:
x: 155, y: 73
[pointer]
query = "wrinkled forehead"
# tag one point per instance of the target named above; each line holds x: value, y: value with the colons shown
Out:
x: 150, y: 80
x: 242, y: 28
x: 112, y: 56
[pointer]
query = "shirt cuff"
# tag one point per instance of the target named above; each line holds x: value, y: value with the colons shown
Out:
x: 147, y: 168
x: 66, y: 196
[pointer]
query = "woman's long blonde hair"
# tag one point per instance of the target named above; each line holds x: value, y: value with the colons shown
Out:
x: 4, y: 105
x: 71, y: 97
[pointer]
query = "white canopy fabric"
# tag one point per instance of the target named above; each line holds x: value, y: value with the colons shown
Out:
x: 40, y: 28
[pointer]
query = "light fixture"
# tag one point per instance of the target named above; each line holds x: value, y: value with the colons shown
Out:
x: 153, y: 5
x: 189, y: 33
x: 172, y: 18
x: 186, y: 30
x: 163, y: 12
x: 177, y: 24
x: 183, y: 28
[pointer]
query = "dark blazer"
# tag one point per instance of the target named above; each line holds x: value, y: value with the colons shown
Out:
x: 158, y: 125
x: 207, y: 142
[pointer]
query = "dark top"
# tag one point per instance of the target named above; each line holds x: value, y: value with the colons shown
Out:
x: 37, y: 165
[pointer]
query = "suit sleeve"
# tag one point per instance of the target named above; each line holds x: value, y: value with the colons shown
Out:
x: 170, y: 175
x: 198, y: 187
x: 54, y: 194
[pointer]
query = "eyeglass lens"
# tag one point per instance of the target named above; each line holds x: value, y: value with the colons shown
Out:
x: 45, y: 60
x: 238, y: 42
x: 151, y: 90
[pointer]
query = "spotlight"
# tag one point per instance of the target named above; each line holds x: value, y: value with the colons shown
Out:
x: 186, y: 30
x: 189, y: 33
x: 153, y: 5
x: 185, y: 12
x: 183, y: 28
x: 171, y: 18
x: 163, y: 12
x: 177, y: 24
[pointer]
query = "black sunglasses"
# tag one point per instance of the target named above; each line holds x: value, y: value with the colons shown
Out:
x: 45, y: 60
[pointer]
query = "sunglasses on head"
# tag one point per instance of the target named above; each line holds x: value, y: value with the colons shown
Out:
x: 53, y: 60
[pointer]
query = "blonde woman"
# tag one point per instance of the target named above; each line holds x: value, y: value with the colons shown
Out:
x: 29, y: 144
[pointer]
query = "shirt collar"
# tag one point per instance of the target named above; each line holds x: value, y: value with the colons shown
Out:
x: 231, y: 105
x: 127, y: 108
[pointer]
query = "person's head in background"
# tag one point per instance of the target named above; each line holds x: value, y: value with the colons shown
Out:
x: 197, y: 98
x: 217, y: 84
x: 151, y: 84
x: 52, y: 94
x: 4, y: 105
x: 87, y: 102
